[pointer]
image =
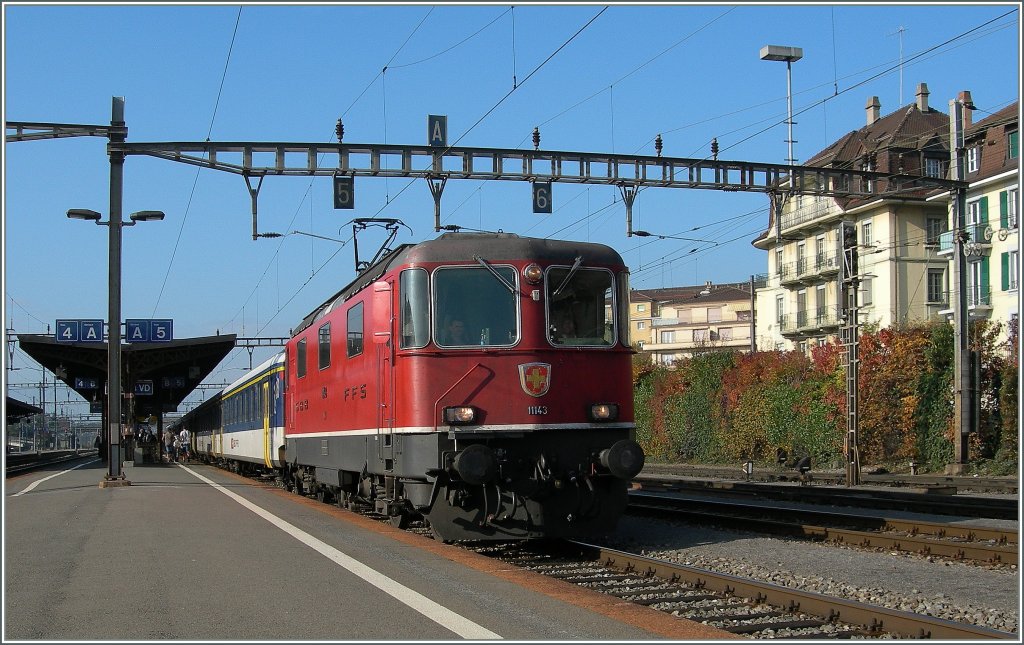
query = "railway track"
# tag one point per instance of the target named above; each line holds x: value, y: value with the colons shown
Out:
x: 987, y: 484
x: 987, y: 545
x: 738, y: 605
x: 21, y: 463
x: 936, y: 501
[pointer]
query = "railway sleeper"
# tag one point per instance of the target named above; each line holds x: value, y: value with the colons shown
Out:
x: 784, y: 624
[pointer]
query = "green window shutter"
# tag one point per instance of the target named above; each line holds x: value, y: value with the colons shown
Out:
x: 1005, y: 261
x: 985, y: 285
x: 1004, y: 211
x: 984, y: 210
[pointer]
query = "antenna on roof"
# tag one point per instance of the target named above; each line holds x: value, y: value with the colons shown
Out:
x: 899, y: 31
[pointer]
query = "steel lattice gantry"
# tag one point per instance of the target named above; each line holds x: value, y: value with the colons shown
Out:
x: 438, y: 164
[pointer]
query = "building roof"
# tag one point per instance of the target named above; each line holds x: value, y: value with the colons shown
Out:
x: 991, y: 135
x: 894, y: 144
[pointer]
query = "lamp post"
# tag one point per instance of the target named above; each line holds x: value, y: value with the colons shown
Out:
x: 114, y: 476
x: 790, y: 55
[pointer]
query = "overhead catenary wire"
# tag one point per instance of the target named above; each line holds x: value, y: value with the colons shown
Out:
x: 195, y: 181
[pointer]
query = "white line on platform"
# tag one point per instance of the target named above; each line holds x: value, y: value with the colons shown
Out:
x: 40, y: 481
x: 441, y: 615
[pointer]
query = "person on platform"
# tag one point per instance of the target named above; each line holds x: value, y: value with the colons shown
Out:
x: 169, y: 446
x: 185, y: 437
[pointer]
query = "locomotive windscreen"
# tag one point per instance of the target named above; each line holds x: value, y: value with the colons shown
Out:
x: 480, y: 301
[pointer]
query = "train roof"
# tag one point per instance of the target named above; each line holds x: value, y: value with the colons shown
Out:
x: 465, y: 247
x: 276, y: 358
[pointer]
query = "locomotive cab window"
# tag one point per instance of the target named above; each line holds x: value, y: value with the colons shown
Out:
x: 580, y: 307
x: 415, y: 309
x: 474, y: 306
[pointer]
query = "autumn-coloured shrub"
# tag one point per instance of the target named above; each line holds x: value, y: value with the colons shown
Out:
x: 729, y: 407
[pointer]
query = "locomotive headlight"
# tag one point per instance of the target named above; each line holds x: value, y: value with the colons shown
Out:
x: 604, y: 412
x: 460, y: 415
x: 533, y: 274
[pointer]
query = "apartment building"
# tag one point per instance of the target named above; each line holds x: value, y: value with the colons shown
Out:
x: 992, y: 249
x: 676, y: 323
x: 897, y: 235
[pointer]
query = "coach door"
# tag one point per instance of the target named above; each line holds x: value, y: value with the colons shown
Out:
x: 265, y: 400
x: 381, y: 323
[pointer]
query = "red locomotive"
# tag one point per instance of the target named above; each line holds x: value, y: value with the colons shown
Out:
x: 480, y: 381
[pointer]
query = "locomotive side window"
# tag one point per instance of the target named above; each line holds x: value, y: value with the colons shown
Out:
x: 415, y: 308
x: 300, y: 358
x: 581, y: 307
x: 355, y: 330
x: 324, y: 343
x: 473, y: 307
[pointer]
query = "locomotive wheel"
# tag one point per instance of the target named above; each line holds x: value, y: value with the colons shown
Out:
x: 297, y: 483
x: 323, y: 495
x: 400, y: 520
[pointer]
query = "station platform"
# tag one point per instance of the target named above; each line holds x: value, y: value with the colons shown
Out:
x: 193, y: 552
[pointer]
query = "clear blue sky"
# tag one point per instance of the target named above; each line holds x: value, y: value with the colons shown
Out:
x: 689, y: 73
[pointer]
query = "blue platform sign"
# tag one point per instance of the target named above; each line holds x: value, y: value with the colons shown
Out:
x: 86, y: 383
x: 144, y: 388
x: 437, y: 130
x: 161, y: 330
x: 146, y: 330
x: 92, y: 331
x: 79, y: 331
x: 174, y: 381
x: 95, y: 407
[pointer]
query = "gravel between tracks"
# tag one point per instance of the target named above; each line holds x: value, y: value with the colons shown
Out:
x: 988, y: 596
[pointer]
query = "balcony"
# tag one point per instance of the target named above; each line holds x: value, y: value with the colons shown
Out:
x: 811, y: 322
x: 975, y: 235
x: 979, y: 302
x: 817, y: 209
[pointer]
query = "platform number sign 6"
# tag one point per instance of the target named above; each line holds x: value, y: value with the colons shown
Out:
x: 344, y: 195
x: 542, y: 197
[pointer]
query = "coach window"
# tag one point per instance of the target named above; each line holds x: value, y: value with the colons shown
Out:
x: 355, y: 330
x: 415, y: 308
x: 483, y: 299
x: 324, y: 344
x: 300, y: 358
x: 581, y: 307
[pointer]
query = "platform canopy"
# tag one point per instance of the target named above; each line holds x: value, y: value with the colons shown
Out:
x: 17, y: 409
x: 158, y: 375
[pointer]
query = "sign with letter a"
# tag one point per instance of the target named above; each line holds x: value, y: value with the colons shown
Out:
x: 437, y: 130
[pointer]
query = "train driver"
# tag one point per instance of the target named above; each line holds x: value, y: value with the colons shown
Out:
x: 455, y: 333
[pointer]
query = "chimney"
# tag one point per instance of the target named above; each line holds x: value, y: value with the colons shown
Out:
x: 922, y: 97
x: 873, y: 108
x: 965, y: 98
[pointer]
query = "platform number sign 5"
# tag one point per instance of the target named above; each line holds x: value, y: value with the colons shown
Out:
x: 344, y: 192
x: 542, y: 197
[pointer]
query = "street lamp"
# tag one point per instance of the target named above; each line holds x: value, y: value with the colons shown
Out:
x: 790, y: 55
x: 114, y: 476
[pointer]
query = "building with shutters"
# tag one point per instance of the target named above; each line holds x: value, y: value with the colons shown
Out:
x: 992, y: 247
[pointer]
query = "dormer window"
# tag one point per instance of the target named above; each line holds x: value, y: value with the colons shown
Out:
x: 973, y: 159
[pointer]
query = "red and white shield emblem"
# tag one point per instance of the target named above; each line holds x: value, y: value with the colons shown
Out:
x: 535, y: 378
